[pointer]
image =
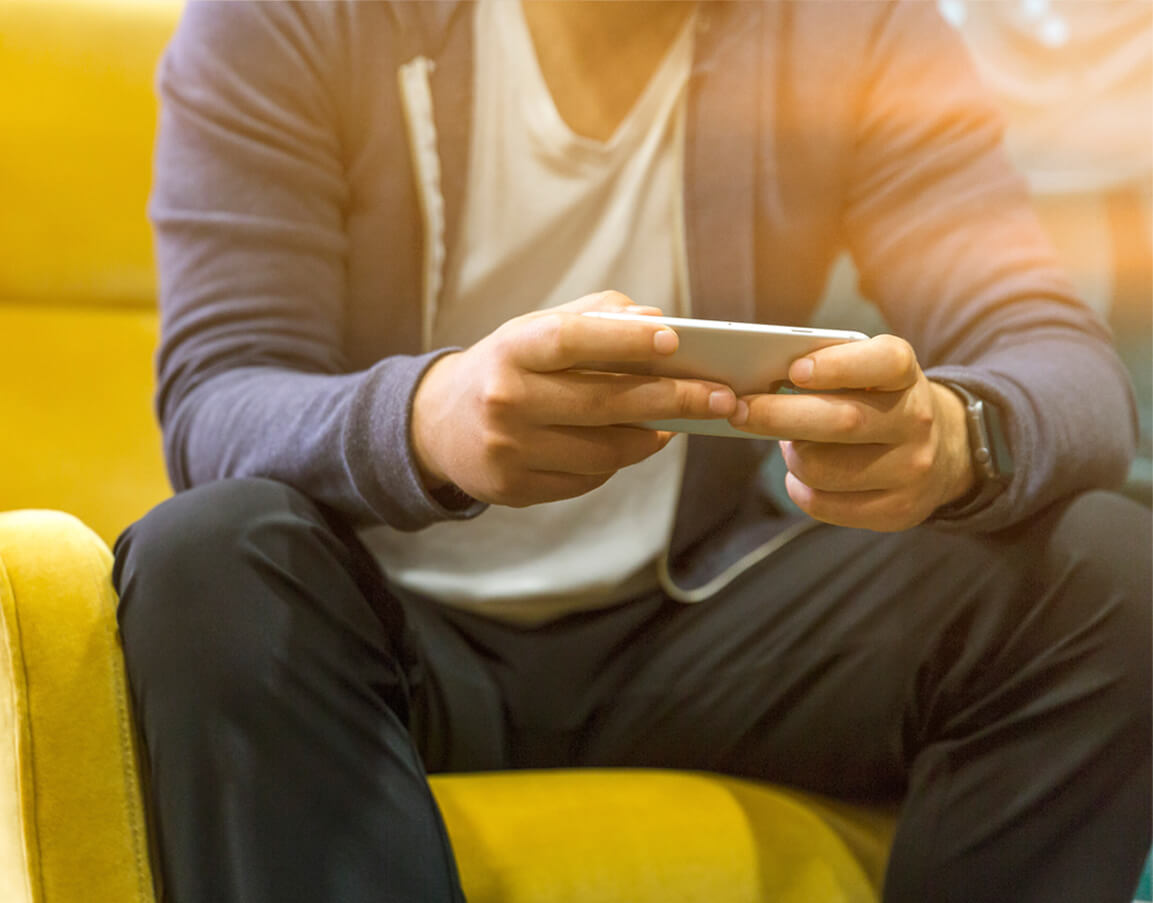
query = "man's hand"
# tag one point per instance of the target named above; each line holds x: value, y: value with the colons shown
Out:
x: 882, y: 450
x: 508, y: 422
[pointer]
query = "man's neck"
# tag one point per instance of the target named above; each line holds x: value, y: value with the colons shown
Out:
x: 597, y: 56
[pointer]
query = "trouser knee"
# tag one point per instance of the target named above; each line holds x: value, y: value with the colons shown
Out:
x: 1099, y: 550
x: 1094, y: 560
x: 215, y: 585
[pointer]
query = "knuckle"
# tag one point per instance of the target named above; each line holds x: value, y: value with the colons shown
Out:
x: 761, y: 412
x: 507, y: 490
x: 563, y: 335
x: 499, y: 451
x: 676, y: 398
x: 921, y: 462
x: 904, y: 360
x: 686, y: 400
x: 923, y: 417
x: 523, y: 321
x: 501, y: 392
x: 851, y: 419
x: 550, y: 331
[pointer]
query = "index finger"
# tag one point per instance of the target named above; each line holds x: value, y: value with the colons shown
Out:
x: 560, y: 340
x: 885, y: 363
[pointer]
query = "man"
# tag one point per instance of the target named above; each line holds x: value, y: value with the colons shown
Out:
x: 417, y: 538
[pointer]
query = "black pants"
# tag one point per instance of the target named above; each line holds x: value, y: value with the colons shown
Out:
x: 291, y: 703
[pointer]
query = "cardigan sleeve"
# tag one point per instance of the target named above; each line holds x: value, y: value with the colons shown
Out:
x: 248, y: 207
x: 947, y: 245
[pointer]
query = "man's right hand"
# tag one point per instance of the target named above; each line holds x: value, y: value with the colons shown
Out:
x: 508, y: 422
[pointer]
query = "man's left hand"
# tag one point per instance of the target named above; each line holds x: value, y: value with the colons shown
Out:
x: 878, y: 446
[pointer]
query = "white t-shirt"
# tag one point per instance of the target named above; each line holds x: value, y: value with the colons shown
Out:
x: 550, y: 216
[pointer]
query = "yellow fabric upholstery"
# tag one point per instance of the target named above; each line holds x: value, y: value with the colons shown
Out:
x: 77, y: 285
x: 78, y: 110
x: 77, y: 332
x: 75, y: 388
x: 631, y: 836
x: 79, y: 804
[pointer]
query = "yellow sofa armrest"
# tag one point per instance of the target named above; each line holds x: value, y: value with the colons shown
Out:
x: 77, y: 805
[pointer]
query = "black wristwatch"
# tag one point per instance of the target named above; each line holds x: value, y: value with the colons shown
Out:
x: 989, y: 447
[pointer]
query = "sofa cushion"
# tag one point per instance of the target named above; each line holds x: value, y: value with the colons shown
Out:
x: 76, y: 156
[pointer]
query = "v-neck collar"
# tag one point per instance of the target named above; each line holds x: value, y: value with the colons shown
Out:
x: 540, y: 108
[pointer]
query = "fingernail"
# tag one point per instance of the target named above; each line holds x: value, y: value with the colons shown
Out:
x: 665, y: 341
x: 801, y: 371
x: 721, y: 402
x: 742, y: 414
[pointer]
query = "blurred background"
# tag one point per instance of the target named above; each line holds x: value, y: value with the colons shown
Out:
x: 1074, y: 80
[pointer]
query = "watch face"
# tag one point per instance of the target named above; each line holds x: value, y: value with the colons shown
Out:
x: 997, y: 443
x: 987, y: 440
x: 983, y: 462
x: 992, y: 464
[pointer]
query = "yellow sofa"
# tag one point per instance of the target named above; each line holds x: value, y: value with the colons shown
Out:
x: 77, y: 330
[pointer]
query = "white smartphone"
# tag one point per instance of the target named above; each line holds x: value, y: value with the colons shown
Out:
x: 752, y: 358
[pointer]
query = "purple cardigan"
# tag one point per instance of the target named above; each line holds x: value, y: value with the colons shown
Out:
x: 290, y: 240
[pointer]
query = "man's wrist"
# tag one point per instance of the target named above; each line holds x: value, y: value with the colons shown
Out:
x: 961, y: 476
x: 423, y: 429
